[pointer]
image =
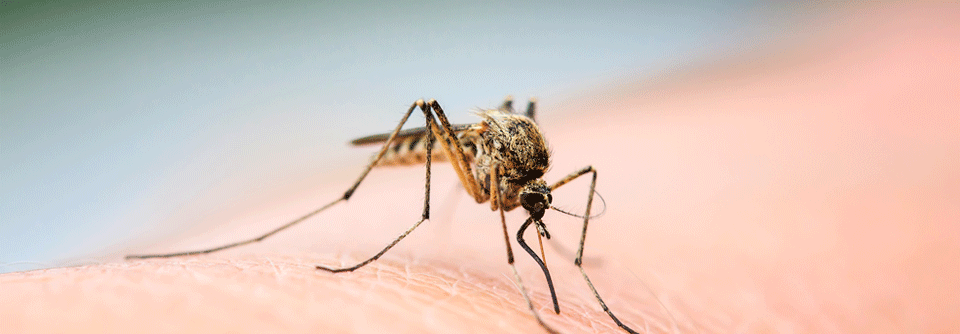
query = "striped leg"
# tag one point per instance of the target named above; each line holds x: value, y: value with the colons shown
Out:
x: 583, y: 237
x: 346, y: 195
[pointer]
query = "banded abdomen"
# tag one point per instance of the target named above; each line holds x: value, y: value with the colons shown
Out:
x: 409, y: 147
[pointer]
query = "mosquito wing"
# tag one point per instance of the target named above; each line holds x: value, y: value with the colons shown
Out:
x: 403, y: 135
x: 409, y: 148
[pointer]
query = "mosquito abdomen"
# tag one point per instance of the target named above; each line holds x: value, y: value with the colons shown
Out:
x: 411, y: 151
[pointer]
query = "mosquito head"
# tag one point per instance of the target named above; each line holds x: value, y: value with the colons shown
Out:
x: 535, y: 197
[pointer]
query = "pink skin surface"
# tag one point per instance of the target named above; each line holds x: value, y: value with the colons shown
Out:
x: 813, y: 188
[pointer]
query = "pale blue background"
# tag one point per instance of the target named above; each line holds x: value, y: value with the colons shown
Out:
x: 119, y: 119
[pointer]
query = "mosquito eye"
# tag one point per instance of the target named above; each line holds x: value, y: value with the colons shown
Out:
x: 549, y: 198
x: 529, y: 200
x: 526, y: 199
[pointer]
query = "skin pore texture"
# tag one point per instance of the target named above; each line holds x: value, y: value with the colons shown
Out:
x: 814, y: 188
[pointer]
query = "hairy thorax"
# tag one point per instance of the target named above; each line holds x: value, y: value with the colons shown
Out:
x: 514, y: 144
x: 510, y: 141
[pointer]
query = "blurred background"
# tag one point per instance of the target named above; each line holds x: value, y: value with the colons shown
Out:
x: 129, y: 122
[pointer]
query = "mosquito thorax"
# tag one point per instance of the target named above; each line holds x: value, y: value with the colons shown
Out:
x: 535, y: 197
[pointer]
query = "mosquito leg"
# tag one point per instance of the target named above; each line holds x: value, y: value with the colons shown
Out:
x: 583, y: 237
x: 571, y: 177
x: 496, y: 195
x: 426, y: 199
x: 532, y: 109
x: 546, y: 272
x: 455, y: 154
x: 346, y: 196
x: 507, y: 105
x: 239, y: 243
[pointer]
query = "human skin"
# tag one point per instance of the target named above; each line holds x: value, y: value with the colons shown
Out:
x: 815, y: 190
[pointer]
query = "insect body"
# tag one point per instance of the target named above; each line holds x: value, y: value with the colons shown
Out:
x: 513, y: 141
x: 501, y: 159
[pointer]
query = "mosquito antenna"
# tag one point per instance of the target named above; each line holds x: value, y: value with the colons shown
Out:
x: 602, y: 201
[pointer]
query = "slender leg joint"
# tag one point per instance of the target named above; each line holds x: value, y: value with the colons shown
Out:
x: 583, y: 238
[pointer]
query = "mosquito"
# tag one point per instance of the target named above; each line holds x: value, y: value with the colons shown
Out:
x: 501, y: 159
